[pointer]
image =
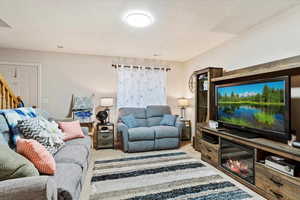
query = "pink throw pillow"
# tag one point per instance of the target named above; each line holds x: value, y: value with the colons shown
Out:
x: 37, y: 154
x: 71, y: 130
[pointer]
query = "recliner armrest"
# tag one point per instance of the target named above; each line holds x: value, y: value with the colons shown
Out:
x: 28, y: 188
x: 123, y: 129
x: 179, y: 124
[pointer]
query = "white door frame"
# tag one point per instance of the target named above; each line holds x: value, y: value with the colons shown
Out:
x: 39, y: 79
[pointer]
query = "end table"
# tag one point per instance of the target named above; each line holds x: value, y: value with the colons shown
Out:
x: 186, y: 130
x: 104, y: 136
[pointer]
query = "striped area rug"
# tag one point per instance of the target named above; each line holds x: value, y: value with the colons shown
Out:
x: 160, y: 175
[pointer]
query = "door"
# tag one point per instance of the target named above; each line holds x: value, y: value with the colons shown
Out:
x: 23, y: 80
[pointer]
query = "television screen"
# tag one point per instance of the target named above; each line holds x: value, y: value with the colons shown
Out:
x: 257, y: 105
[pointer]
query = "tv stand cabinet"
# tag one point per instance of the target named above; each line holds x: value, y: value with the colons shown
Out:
x: 268, y: 182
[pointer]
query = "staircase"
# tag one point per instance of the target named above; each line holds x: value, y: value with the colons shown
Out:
x: 7, y: 98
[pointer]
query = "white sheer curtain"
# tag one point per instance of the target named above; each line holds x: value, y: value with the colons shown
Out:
x: 141, y: 87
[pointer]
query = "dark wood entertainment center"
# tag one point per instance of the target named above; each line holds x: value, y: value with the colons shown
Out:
x: 216, y: 144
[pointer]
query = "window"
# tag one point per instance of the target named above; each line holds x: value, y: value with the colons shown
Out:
x: 139, y: 87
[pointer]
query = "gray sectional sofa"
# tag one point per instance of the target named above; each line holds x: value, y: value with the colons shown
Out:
x: 149, y: 135
x: 72, y: 162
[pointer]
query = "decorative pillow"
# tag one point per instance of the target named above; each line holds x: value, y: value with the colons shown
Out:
x: 45, y: 132
x: 37, y: 154
x: 71, y: 130
x: 13, y: 116
x: 168, y: 120
x: 13, y: 165
x: 130, y: 121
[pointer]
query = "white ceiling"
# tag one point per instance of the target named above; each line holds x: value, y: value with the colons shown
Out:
x: 182, y: 28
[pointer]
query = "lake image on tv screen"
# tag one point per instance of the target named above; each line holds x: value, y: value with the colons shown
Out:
x: 253, y: 105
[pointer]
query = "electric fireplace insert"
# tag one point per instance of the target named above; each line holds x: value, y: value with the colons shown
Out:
x: 238, y: 159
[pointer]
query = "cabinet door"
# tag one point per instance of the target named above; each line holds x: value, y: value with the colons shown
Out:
x: 198, y: 138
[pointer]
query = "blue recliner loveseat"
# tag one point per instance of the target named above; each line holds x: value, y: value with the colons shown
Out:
x: 149, y: 135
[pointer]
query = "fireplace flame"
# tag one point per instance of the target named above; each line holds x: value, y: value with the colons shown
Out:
x: 237, y: 166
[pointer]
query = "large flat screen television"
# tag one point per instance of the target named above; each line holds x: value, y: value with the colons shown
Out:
x: 258, y: 106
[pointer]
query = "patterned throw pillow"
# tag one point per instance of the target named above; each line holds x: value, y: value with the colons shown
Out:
x: 13, y: 116
x: 45, y: 132
x: 37, y: 154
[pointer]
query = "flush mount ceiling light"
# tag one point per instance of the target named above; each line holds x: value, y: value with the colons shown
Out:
x: 138, y: 19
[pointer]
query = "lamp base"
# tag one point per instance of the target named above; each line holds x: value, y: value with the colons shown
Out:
x: 182, y: 113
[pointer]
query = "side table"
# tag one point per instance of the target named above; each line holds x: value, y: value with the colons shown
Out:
x: 104, y: 136
x: 186, y: 130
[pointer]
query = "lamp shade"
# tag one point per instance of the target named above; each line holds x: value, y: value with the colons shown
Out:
x: 107, y: 101
x: 183, y: 102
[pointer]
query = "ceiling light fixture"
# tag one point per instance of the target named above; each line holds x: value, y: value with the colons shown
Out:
x: 138, y: 19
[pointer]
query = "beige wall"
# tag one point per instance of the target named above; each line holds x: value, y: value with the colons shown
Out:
x: 277, y: 39
x: 65, y: 74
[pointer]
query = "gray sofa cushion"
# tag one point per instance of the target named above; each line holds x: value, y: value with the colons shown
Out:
x: 138, y: 113
x: 166, y: 143
x: 141, y: 133
x: 138, y: 146
x: 77, y: 154
x: 86, y: 141
x: 37, y: 187
x: 67, y: 178
x: 154, y: 121
x: 157, y: 111
x: 166, y: 132
x: 155, y: 114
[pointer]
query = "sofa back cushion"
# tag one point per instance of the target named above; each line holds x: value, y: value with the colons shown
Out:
x: 155, y: 114
x: 138, y: 113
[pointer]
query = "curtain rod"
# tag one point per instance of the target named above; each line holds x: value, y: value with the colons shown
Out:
x: 137, y: 67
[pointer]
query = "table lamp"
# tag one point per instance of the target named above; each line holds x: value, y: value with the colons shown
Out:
x: 183, y: 103
x: 107, y: 102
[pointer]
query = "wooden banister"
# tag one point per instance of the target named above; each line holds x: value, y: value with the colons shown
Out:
x: 7, y: 97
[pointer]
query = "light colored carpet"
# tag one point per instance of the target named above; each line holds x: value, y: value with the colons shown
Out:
x: 158, y: 175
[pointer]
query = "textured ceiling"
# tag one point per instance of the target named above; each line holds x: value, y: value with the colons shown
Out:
x: 182, y: 28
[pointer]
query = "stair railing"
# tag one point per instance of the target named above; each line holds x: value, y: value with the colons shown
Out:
x: 7, y: 98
